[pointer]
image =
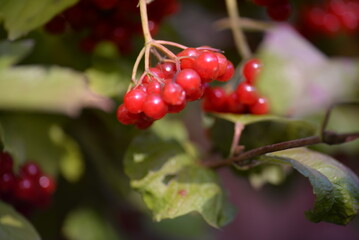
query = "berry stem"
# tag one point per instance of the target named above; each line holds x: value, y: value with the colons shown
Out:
x: 235, y: 148
x: 166, y: 51
x: 147, y: 56
x: 245, y: 23
x: 239, y: 38
x: 171, y: 44
x: 144, y: 21
x: 136, y: 65
x: 330, y: 138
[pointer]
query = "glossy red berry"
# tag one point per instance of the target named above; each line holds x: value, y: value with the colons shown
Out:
x: 279, y: 12
x: 173, y: 94
x: 228, y: 74
x: 47, y: 184
x: 154, y: 74
x: 7, y: 182
x: 154, y: 107
x: 176, y: 108
x: 214, y: 99
x: 144, y: 123
x: 188, y: 57
x: 134, y: 100
x: 222, y: 64
x: 207, y: 67
x: 6, y: 162
x: 30, y: 170
x: 251, y: 70
x: 233, y: 104
x: 25, y: 189
x: 153, y: 87
x: 259, y: 107
x: 197, y: 94
x: 168, y: 69
x: 189, y: 80
x: 247, y: 94
x: 125, y: 117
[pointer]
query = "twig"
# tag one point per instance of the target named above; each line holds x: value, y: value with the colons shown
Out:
x: 239, y: 38
x: 245, y: 24
x: 238, y: 128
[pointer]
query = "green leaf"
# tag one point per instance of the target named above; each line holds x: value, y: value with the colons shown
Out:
x: 86, y: 224
x: 20, y: 17
x: 12, y: 52
x: 172, y: 183
x: 13, y: 226
x: 55, y: 89
x: 299, y: 80
x: 246, y: 119
x: 336, y: 187
x: 39, y: 138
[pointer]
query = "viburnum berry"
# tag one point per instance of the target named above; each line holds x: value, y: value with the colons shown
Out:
x: 246, y: 93
x: 25, y: 189
x: 47, y: 184
x: 153, y: 87
x: 214, y: 99
x: 176, y: 108
x: 188, y: 57
x: 222, y: 64
x: 251, y: 70
x: 7, y: 182
x: 189, y: 80
x: 195, y: 95
x: 30, y: 170
x: 173, y: 94
x: 233, y: 105
x: 155, y: 74
x: 168, y: 69
x: 207, y: 67
x: 125, y: 117
x: 279, y: 12
x: 259, y: 107
x: 134, y: 100
x: 154, y: 107
x: 228, y: 74
x: 6, y: 162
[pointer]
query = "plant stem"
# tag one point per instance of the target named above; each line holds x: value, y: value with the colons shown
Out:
x: 245, y: 23
x: 137, y: 63
x: 239, y: 38
x: 329, y: 138
x: 238, y: 128
x: 144, y: 21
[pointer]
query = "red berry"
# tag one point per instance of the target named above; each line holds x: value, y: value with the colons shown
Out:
x: 153, y: 87
x: 197, y: 94
x: 246, y: 93
x: 105, y: 4
x: 207, y: 67
x: 173, y: 94
x: 154, y: 74
x: 30, y: 170
x: 259, y: 107
x: 251, y: 70
x: 188, y: 57
x: 7, y: 182
x: 57, y: 25
x: 176, y: 108
x: 279, y: 12
x: 47, y: 184
x: 125, y: 117
x: 6, y: 162
x: 189, y: 80
x: 25, y: 189
x: 214, y: 99
x: 143, y: 123
x: 134, y: 100
x: 228, y: 74
x: 234, y: 105
x: 154, y: 107
x: 222, y: 64
x: 168, y: 69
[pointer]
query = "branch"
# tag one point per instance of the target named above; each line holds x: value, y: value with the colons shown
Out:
x: 329, y: 138
x: 239, y: 38
x: 245, y: 24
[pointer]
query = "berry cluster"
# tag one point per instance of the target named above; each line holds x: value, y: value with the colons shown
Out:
x: 278, y: 10
x: 331, y: 18
x: 109, y: 20
x: 167, y: 87
x: 244, y: 99
x: 27, y: 190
